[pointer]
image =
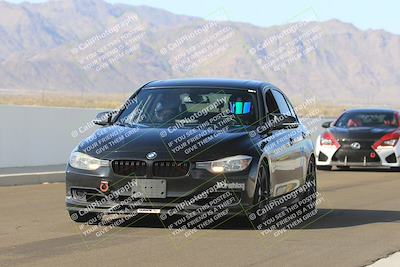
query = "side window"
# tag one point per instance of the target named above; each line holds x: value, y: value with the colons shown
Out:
x: 282, y: 104
x: 271, y: 103
x: 292, y: 109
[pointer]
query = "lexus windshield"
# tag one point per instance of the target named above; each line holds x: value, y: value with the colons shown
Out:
x: 191, y: 107
x: 368, y: 119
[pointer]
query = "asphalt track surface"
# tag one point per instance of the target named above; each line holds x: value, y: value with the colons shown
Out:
x: 358, y: 222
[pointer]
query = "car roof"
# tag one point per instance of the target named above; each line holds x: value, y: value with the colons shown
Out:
x: 219, y: 83
x: 367, y: 110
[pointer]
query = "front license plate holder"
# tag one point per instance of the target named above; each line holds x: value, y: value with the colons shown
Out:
x: 150, y: 188
x: 149, y: 211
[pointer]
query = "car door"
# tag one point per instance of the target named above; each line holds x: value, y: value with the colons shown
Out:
x: 282, y: 147
x: 297, y: 141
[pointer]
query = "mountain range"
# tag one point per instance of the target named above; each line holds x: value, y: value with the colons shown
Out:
x: 90, y: 46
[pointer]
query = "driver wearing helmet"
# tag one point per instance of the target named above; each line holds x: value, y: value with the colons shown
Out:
x: 167, y: 108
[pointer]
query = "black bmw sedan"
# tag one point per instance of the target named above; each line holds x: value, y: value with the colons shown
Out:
x: 192, y: 146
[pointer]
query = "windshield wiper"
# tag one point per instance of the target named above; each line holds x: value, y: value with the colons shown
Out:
x: 124, y: 124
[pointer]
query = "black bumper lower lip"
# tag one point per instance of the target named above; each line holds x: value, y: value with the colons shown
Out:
x: 169, y: 209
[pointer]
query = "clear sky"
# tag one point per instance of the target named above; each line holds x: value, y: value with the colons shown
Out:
x: 365, y: 14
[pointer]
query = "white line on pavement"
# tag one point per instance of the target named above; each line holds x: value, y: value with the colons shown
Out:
x: 391, y: 261
x: 29, y: 174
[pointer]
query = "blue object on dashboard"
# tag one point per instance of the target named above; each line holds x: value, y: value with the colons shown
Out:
x: 240, y: 107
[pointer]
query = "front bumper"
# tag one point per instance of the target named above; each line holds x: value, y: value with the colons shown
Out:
x: 198, y: 191
x: 386, y: 157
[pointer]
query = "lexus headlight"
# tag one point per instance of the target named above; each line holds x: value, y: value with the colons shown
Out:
x: 82, y: 161
x: 391, y: 142
x: 230, y: 164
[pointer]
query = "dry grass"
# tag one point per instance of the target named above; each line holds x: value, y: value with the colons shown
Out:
x: 66, y: 100
x: 322, y: 109
x: 112, y: 101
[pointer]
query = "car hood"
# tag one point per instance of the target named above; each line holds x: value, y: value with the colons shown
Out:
x: 359, y: 133
x: 118, y: 142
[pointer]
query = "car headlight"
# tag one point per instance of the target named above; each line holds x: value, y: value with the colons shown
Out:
x: 82, y: 161
x: 391, y: 142
x: 230, y: 164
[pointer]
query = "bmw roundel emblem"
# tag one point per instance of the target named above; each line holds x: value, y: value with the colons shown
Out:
x: 356, y: 145
x: 151, y: 155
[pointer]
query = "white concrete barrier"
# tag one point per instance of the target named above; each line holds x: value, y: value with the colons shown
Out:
x: 35, y: 136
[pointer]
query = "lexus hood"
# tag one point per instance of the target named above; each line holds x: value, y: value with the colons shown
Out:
x: 360, y: 133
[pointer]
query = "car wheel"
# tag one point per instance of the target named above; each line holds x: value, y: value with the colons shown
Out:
x: 343, y: 167
x: 260, y: 198
x: 91, y: 217
x: 324, y: 168
x: 396, y: 169
x: 311, y: 179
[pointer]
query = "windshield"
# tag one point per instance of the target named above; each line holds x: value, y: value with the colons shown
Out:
x: 367, y: 119
x: 191, y: 107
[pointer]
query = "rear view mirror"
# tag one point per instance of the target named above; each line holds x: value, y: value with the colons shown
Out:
x: 103, y: 118
x: 326, y: 124
x: 196, y: 99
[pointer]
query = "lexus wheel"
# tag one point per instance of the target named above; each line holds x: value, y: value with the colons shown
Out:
x: 324, y: 168
x: 343, y: 167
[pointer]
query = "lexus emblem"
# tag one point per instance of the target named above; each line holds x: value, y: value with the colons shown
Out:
x: 151, y: 155
x: 356, y: 146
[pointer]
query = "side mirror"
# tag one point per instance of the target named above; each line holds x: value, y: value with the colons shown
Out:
x: 103, y: 118
x: 289, y: 120
x: 278, y: 122
x: 326, y: 124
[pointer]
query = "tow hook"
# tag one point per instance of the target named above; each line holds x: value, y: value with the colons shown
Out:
x: 104, y: 186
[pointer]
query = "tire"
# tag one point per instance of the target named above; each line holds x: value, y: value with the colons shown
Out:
x: 324, y: 168
x: 91, y: 217
x: 260, y: 199
x: 311, y: 178
x: 396, y: 169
